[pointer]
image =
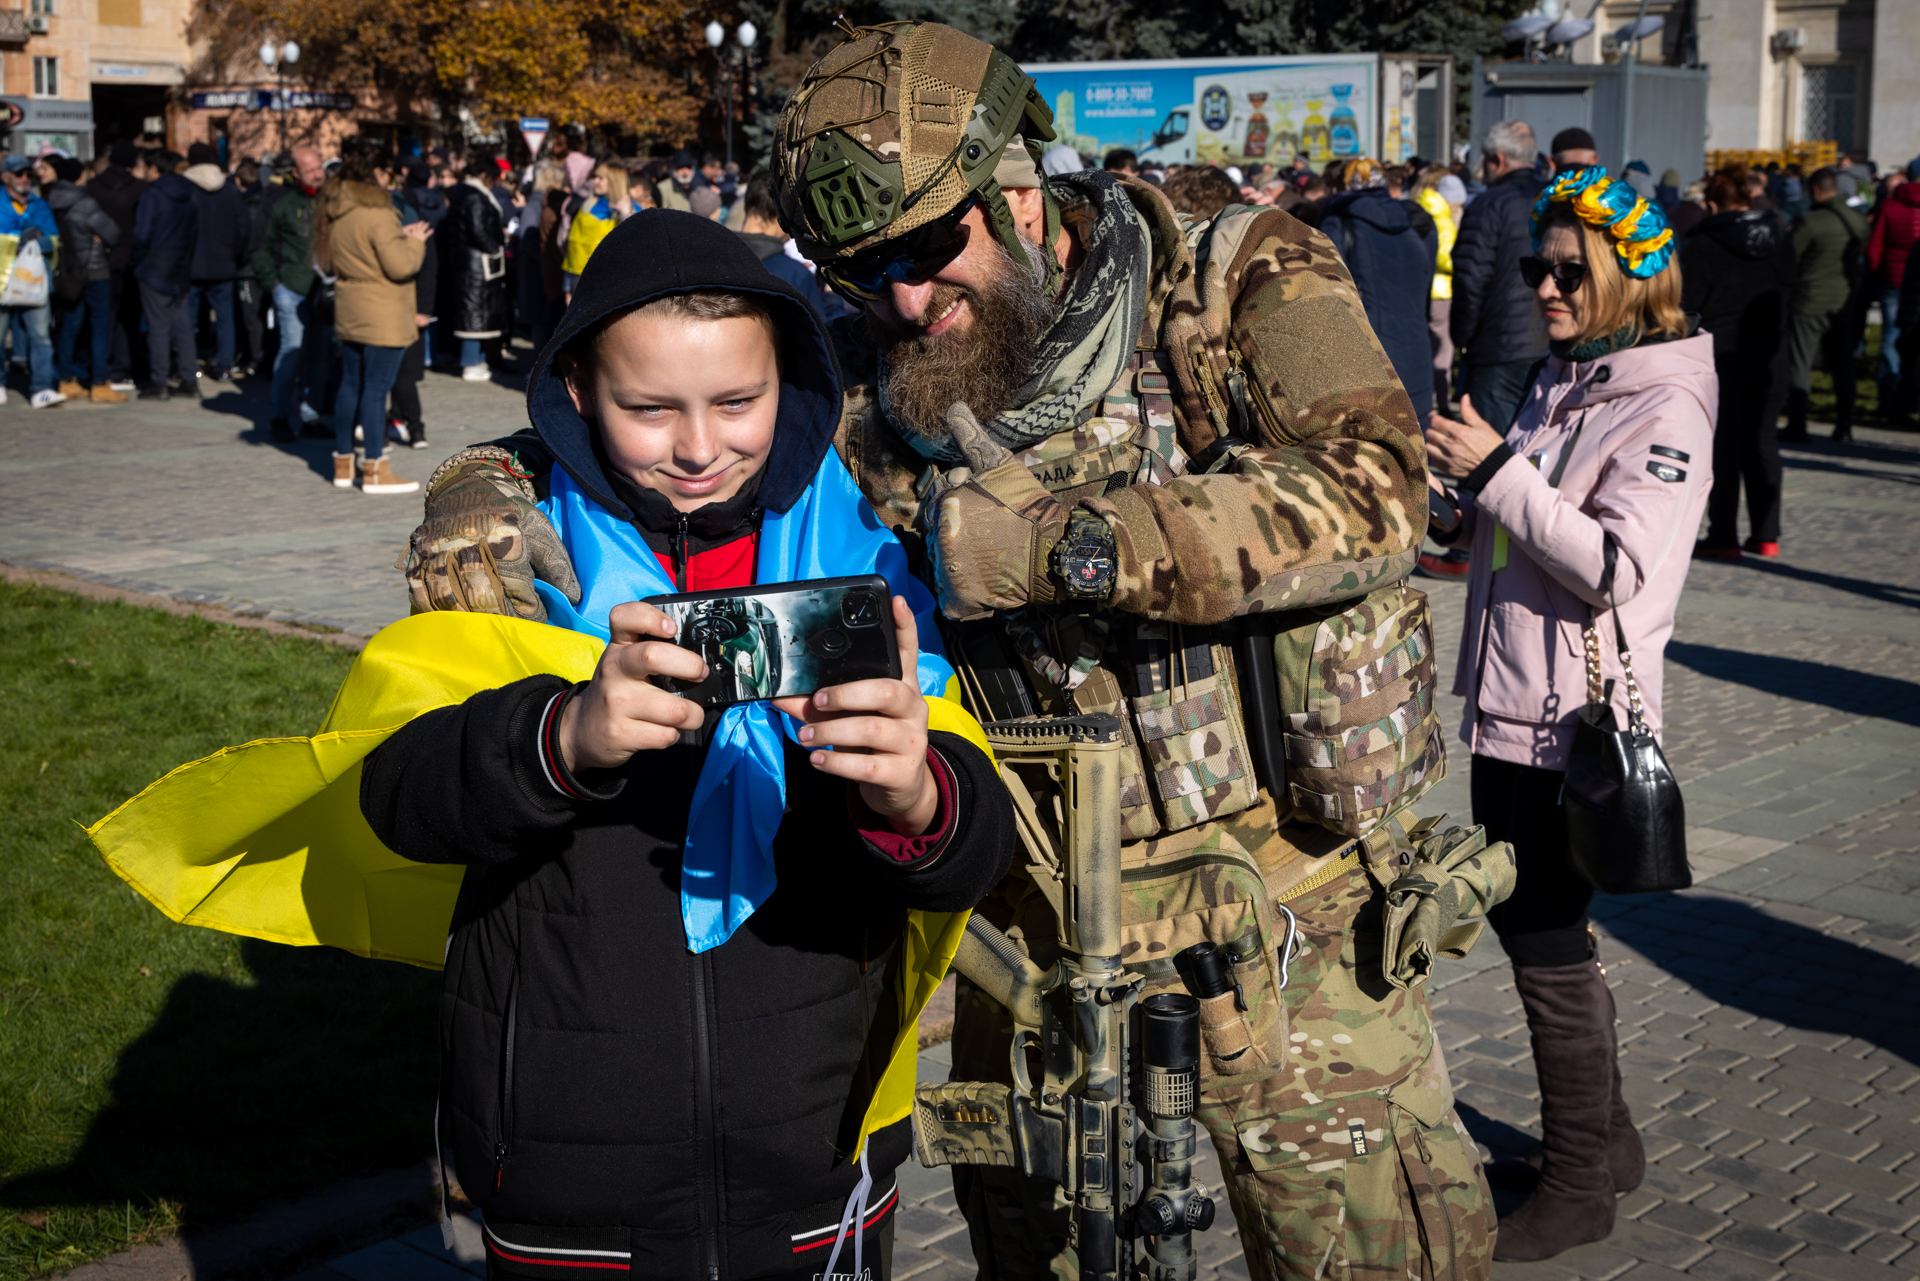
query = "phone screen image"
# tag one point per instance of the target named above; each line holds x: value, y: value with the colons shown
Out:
x: 784, y: 640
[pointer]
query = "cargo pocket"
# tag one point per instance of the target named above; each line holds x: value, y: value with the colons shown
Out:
x: 1362, y: 739
x: 1174, y: 899
x: 1193, y: 740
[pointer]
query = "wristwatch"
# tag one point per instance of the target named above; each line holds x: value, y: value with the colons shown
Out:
x: 1084, y: 560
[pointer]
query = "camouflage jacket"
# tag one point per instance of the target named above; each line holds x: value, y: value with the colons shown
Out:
x: 1326, y: 502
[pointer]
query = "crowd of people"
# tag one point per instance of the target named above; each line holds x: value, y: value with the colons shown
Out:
x: 1120, y: 481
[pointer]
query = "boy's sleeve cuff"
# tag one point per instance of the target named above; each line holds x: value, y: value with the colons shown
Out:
x: 554, y: 766
x: 909, y: 853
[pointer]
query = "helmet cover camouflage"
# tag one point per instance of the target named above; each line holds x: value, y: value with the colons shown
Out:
x: 895, y: 128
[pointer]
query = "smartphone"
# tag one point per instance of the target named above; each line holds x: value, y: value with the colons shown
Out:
x: 785, y: 640
x: 1443, y: 510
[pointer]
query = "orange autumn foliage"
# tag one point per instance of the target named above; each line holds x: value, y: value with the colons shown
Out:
x: 592, y: 62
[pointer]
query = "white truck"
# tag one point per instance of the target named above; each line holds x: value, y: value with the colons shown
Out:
x: 1240, y: 111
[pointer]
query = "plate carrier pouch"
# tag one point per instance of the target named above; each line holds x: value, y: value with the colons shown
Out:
x: 1330, y: 709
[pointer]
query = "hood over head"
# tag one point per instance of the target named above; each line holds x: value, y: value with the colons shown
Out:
x: 1371, y: 205
x: 659, y: 252
x: 206, y: 177
x: 173, y: 187
x: 1751, y: 233
x: 1907, y: 193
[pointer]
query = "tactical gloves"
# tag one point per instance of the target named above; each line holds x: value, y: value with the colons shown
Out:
x: 483, y: 542
x: 992, y: 529
x: 1454, y: 875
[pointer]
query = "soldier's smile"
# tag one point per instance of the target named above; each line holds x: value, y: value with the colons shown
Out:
x: 947, y: 319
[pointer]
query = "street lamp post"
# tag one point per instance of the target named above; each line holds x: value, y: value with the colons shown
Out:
x: 277, y: 61
x: 716, y: 34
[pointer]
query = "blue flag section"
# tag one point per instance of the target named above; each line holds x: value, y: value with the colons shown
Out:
x: 726, y: 869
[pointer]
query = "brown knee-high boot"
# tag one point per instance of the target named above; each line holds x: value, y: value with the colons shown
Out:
x: 1570, y: 1016
x: 1626, y: 1155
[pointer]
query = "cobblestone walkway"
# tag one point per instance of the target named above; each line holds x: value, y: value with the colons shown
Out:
x: 1767, y: 1016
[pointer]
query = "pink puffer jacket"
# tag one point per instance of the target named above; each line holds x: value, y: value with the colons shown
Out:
x: 1637, y: 431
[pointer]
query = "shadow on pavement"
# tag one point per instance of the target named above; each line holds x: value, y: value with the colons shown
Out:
x: 1873, y: 589
x: 1821, y: 987
x: 316, y: 1066
x: 1842, y: 688
x: 1733, y: 952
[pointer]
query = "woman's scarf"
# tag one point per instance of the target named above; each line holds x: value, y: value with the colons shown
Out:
x: 1095, y: 326
x: 726, y: 868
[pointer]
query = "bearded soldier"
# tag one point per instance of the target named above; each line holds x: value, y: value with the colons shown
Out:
x: 1160, y: 468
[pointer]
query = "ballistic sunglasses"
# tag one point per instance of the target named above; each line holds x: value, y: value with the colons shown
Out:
x: 915, y: 256
x: 1566, y: 275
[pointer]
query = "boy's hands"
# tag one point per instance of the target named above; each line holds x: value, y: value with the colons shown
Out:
x: 622, y: 711
x: 878, y: 729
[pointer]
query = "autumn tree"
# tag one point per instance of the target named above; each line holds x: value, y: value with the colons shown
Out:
x: 628, y: 65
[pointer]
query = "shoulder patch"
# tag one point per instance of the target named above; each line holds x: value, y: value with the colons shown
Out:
x: 1668, y: 451
x: 1667, y: 472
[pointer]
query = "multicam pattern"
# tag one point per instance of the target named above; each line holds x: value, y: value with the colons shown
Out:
x: 483, y: 542
x: 1349, y: 1161
x: 1194, y: 740
x: 1356, y: 687
x: 1455, y: 876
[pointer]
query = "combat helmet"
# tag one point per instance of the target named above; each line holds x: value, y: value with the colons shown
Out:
x: 900, y: 128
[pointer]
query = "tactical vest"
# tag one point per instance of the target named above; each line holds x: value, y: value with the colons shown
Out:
x: 1330, y: 709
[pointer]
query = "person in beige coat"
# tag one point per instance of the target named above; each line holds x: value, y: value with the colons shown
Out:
x: 371, y: 260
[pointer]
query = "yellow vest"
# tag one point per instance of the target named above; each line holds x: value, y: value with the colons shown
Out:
x: 267, y: 839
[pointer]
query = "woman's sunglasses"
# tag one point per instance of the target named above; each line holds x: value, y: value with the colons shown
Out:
x: 914, y: 256
x: 1566, y: 275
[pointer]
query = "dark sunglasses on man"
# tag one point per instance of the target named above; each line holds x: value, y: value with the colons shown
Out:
x: 915, y: 256
x: 1566, y: 275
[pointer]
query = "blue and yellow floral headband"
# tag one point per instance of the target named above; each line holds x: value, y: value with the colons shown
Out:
x: 1639, y: 228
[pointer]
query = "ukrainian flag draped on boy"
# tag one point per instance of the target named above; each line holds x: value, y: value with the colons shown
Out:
x: 267, y: 839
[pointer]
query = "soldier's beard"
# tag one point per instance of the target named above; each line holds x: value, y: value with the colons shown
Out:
x: 983, y: 364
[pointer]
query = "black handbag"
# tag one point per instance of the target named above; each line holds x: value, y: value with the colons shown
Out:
x: 1626, y: 824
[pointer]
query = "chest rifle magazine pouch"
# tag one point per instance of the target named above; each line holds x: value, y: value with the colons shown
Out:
x: 1360, y: 738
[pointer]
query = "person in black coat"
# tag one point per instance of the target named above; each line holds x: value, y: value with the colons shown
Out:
x: 166, y: 226
x: 405, y: 415
x: 1392, y: 267
x: 222, y: 249
x: 473, y: 270
x: 1496, y: 324
x: 1737, y: 274
x: 609, y: 1093
x: 117, y: 190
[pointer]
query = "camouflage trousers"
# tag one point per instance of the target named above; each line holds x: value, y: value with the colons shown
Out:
x: 1346, y: 1160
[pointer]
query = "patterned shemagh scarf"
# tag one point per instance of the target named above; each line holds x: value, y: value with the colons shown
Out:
x: 1095, y: 325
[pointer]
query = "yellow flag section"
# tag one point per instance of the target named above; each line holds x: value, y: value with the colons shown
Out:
x: 267, y: 839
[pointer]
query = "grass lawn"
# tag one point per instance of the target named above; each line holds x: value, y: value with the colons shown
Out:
x: 152, y: 1075
x: 1866, y: 404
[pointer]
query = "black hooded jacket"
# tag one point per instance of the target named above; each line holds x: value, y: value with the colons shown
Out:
x: 1737, y: 271
x: 1391, y: 261
x: 607, y: 1095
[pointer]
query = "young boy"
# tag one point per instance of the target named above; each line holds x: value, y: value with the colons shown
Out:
x: 662, y: 1022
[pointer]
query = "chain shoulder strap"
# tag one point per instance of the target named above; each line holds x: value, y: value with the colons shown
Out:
x: 1596, y: 687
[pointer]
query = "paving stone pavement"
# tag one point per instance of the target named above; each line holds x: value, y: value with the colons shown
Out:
x: 1767, y: 1016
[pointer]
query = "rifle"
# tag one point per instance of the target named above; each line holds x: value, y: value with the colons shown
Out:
x: 1111, y: 1119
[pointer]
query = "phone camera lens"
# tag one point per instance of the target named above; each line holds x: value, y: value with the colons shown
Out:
x: 859, y: 609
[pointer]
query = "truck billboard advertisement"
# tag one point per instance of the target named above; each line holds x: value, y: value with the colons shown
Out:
x: 1225, y: 111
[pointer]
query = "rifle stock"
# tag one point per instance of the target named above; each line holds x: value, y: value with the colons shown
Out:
x: 1121, y: 1150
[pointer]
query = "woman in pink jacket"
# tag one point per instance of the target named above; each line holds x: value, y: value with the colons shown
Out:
x: 1590, y: 501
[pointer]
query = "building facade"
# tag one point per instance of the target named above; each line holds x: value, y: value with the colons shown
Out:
x: 1784, y: 72
x: 73, y: 72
